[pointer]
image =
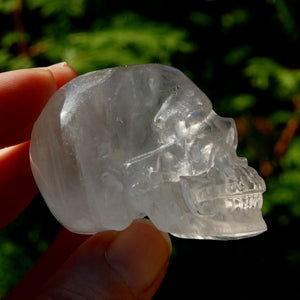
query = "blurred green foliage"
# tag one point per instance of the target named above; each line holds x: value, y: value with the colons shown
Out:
x: 121, y: 39
x: 243, y: 54
x: 266, y: 74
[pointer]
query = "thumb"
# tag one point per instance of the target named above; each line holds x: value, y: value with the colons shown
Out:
x: 113, y: 265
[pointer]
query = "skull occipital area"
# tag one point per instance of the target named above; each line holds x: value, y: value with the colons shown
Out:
x: 128, y: 142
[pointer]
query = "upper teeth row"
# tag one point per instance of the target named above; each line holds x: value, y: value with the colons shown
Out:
x: 246, y: 201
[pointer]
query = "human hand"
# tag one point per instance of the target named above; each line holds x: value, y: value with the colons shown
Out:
x: 110, y: 265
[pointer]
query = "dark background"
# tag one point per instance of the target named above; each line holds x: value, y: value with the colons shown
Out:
x: 245, y: 56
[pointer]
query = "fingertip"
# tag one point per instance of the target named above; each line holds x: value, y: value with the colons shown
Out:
x: 140, y: 255
x: 62, y: 73
x: 165, y: 235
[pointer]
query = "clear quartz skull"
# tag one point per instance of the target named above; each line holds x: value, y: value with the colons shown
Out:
x: 128, y: 142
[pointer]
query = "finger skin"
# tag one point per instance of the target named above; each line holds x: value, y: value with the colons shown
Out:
x: 17, y: 186
x: 23, y: 94
x: 113, y: 265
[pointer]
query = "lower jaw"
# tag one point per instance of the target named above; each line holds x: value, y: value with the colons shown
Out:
x: 233, y: 225
x: 221, y: 236
x: 230, y: 217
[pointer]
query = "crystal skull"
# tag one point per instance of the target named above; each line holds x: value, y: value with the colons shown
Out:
x: 128, y: 142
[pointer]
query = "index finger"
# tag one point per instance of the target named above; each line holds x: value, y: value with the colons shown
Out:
x: 23, y: 95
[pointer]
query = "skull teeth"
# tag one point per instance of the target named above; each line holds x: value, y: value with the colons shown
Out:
x: 246, y: 202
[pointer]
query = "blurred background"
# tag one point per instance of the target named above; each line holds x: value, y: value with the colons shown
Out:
x: 244, y: 54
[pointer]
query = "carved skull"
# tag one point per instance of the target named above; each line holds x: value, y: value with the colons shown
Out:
x: 128, y: 142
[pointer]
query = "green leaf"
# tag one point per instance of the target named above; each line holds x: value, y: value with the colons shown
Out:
x: 266, y: 74
x: 292, y: 157
x: 7, y: 6
x: 280, y: 117
x: 201, y: 19
x: 237, y: 103
x: 73, y: 8
x: 237, y: 55
x: 235, y: 17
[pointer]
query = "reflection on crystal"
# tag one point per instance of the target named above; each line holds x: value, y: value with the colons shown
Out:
x: 127, y: 142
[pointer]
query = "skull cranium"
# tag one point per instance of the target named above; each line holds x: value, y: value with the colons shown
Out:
x: 143, y: 140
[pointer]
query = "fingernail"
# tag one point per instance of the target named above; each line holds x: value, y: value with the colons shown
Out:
x: 62, y: 72
x: 60, y: 64
x: 56, y: 66
x: 139, y: 254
